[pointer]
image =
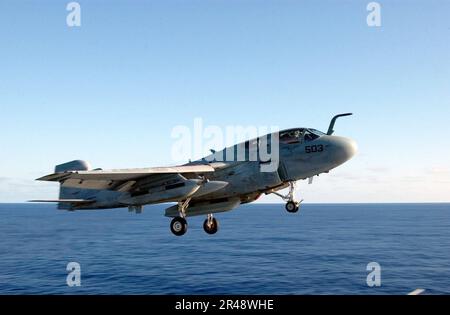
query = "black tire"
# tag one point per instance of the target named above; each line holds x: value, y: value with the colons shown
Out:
x: 291, y: 207
x: 213, y: 228
x: 178, y: 226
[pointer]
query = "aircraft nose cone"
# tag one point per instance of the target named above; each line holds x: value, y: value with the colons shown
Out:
x: 345, y: 148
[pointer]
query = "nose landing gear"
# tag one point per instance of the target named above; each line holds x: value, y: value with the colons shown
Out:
x: 292, y: 206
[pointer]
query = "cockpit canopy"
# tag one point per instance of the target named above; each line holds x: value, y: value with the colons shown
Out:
x: 299, y: 135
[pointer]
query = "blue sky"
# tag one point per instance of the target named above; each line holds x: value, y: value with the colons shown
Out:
x: 112, y: 90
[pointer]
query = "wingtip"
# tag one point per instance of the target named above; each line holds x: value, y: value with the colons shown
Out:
x: 55, y: 177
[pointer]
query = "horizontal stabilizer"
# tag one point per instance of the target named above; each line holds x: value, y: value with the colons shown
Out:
x: 76, y: 201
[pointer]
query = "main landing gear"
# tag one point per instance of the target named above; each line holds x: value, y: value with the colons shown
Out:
x: 292, y: 206
x: 211, y: 225
x: 179, y: 225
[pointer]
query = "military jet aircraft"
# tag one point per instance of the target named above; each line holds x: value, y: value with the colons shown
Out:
x: 205, y: 186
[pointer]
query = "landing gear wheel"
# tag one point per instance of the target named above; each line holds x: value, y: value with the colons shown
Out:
x: 291, y: 207
x: 211, y: 226
x: 178, y: 226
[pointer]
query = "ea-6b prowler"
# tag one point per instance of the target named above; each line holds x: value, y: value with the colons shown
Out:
x: 209, y: 185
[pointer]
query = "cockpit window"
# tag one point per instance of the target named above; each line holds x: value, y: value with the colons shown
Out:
x: 299, y: 135
x: 310, y: 136
x: 317, y: 132
x: 291, y: 136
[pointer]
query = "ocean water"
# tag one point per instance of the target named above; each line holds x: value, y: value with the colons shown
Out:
x: 260, y: 249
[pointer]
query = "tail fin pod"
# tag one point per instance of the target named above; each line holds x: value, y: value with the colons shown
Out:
x: 77, y: 165
x: 68, y: 192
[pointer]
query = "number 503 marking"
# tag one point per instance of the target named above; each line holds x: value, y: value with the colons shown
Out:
x: 314, y: 148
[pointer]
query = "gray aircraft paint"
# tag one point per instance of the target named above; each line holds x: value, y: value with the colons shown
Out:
x: 221, y: 186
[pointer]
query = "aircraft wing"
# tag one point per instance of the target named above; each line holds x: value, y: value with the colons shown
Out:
x: 121, y: 179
